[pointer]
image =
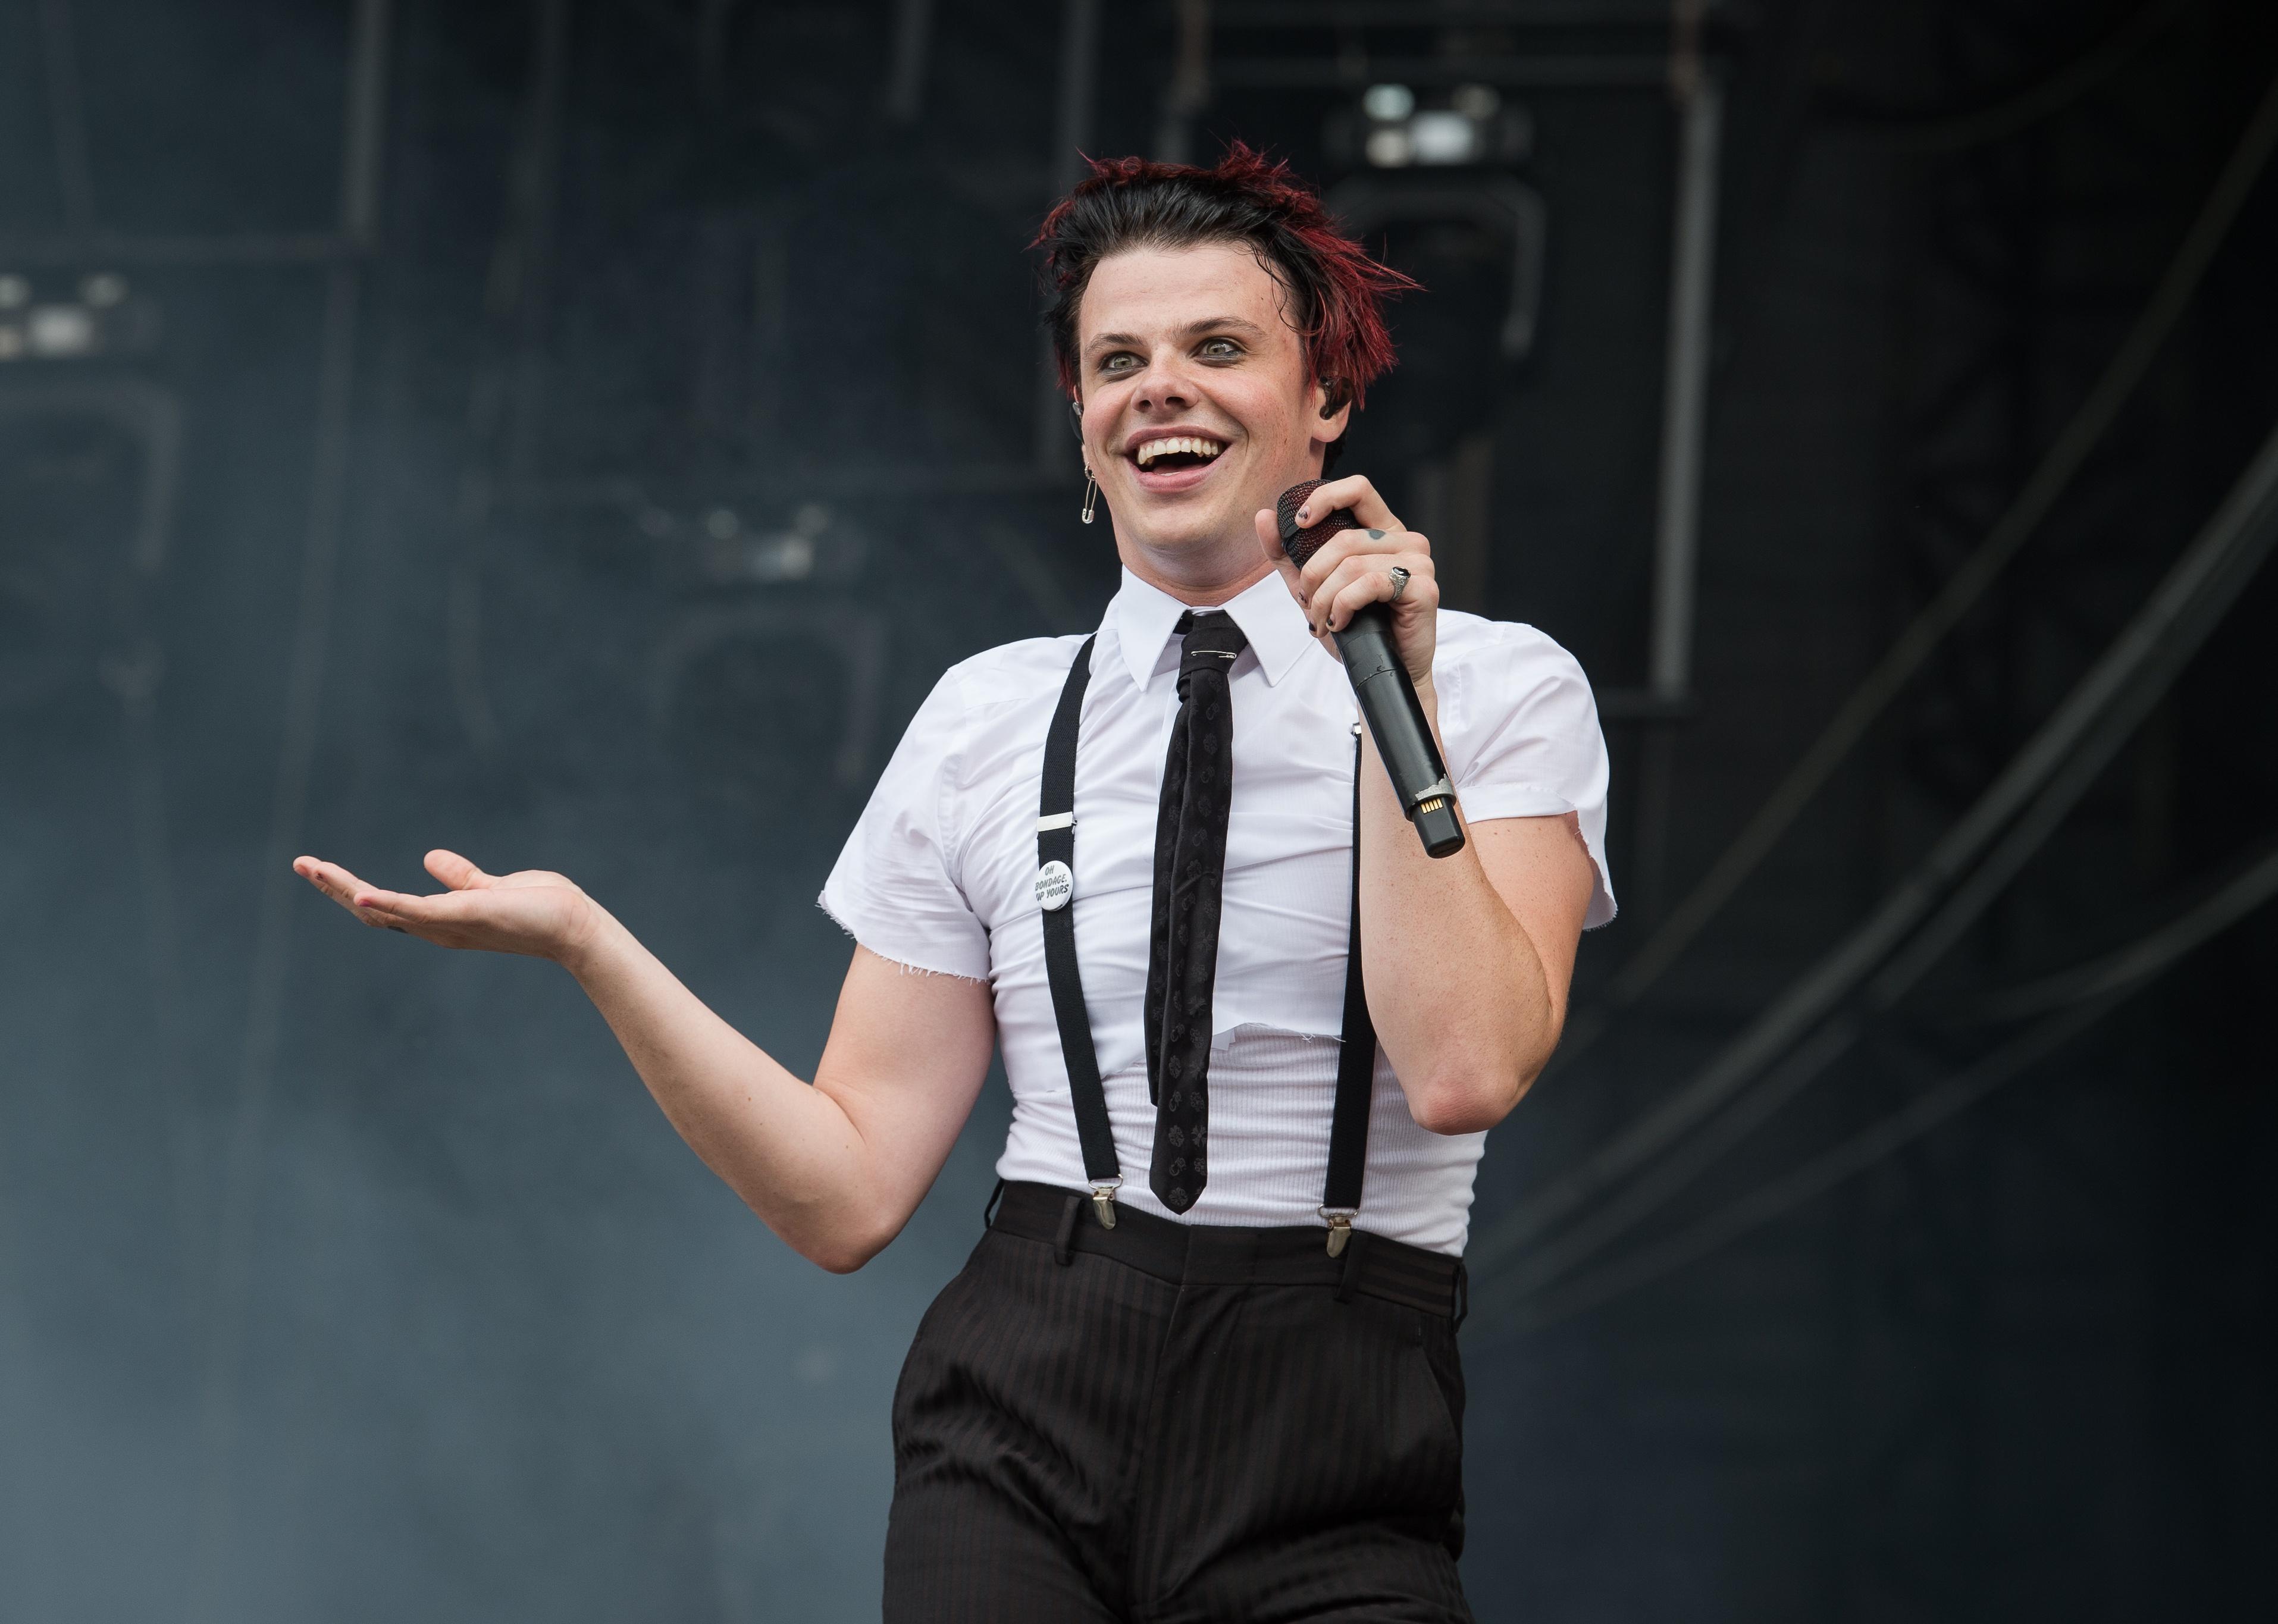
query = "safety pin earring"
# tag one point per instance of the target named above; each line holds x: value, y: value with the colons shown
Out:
x: 1090, y: 495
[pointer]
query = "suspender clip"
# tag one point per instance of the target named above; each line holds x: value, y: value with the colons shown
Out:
x: 1103, y: 1201
x: 1341, y: 1230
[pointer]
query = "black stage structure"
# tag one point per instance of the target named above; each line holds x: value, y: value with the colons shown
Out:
x: 579, y: 431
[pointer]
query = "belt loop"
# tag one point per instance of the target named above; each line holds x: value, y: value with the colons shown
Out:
x: 989, y: 1213
x: 1061, y: 1241
x: 1348, y: 1276
x: 1463, y: 1303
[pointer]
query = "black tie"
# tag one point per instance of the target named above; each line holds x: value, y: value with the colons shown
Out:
x: 1189, y: 864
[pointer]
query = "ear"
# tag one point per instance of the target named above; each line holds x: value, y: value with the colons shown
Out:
x: 1332, y: 404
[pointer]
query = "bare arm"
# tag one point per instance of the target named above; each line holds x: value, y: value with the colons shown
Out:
x: 1468, y: 958
x: 835, y: 1169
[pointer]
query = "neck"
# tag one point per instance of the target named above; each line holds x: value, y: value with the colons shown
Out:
x: 1202, y: 578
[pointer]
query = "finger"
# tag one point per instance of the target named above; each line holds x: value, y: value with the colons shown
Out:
x: 1353, y: 565
x: 1269, y: 538
x: 325, y: 876
x: 456, y: 871
x: 1354, y: 491
x: 1354, y: 595
x: 1347, y: 545
x: 371, y: 899
x: 419, y: 916
x: 330, y: 878
x: 342, y: 887
x: 1345, y: 597
x: 1321, y: 596
x: 1366, y: 586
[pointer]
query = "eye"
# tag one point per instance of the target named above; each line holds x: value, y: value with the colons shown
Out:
x: 1120, y: 361
x: 1219, y: 349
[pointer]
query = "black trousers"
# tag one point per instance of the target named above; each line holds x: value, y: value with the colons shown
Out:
x: 1167, y: 1422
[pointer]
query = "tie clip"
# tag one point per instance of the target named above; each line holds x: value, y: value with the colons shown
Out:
x: 1056, y: 820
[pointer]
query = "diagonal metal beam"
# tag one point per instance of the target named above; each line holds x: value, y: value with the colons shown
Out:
x: 1952, y: 886
x: 2069, y: 1003
x: 2066, y: 457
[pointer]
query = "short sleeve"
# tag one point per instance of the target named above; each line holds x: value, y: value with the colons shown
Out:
x: 895, y: 885
x: 1521, y: 728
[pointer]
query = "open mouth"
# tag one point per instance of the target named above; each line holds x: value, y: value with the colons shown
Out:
x: 1173, y: 452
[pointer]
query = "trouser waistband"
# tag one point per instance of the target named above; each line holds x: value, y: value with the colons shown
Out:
x: 1225, y: 1254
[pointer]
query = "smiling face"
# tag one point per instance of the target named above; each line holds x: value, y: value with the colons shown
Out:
x: 1197, y: 410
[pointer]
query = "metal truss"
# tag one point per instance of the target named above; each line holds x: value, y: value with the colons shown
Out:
x: 2013, y: 291
x: 1934, y: 1271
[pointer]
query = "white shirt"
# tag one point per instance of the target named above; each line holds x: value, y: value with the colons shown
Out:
x: 939, y: 874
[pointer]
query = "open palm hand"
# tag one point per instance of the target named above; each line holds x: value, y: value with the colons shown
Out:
x: 534, y: 911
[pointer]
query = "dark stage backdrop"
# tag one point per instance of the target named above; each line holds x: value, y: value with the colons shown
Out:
x: 577, y: 432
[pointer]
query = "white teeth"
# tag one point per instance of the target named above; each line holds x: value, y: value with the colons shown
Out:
x: 1173, y: 443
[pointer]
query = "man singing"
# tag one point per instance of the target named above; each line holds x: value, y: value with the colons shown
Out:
x: 1201, y: 1364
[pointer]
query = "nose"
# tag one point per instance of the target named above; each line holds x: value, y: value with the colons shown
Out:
x: 1162, y: 389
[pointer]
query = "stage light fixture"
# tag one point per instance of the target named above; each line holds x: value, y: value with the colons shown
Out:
x: 1480, y: 101
x: 1389, y: 148
x: 1388, y: 103
x: 1443, y: 137
x: 104, y: 319
x: 60, y: 331
x: 1391, y: 130
x: 816, y: 545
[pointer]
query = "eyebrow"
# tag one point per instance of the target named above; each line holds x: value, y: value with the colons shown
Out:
x: 1193, y: 330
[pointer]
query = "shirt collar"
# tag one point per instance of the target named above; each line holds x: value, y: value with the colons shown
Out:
x: 1145, y: 617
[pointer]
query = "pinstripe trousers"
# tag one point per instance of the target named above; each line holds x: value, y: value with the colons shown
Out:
x: 1078, y: 1440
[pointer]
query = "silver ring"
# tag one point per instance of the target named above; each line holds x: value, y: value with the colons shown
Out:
x: 1399, y: 582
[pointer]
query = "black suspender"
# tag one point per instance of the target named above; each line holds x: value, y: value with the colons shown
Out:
x: 1055, y: 891
x: 1055, y: 894
x: 1355, y: 1068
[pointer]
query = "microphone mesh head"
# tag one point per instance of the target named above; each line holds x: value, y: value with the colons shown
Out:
x: 1300, y: 544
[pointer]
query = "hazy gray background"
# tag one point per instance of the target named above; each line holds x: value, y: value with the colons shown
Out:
x: 600, y: 474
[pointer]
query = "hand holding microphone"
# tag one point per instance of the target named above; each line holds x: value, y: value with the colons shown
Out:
x: 1370, y: 646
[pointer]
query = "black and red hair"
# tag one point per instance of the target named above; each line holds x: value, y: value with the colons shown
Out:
x: 1336, y: 291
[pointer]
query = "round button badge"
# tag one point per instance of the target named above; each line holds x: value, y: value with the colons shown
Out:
x: 1055, y: 884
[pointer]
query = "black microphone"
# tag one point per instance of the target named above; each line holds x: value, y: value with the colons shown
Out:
x: 1387, y: 697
